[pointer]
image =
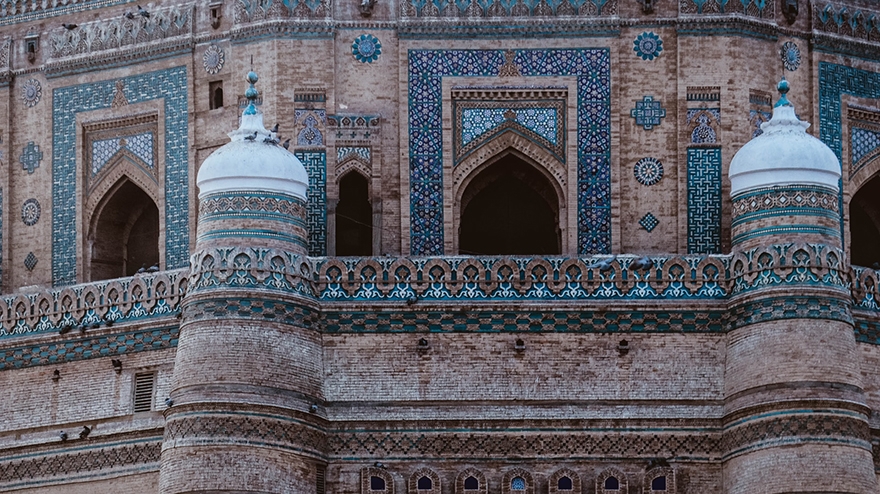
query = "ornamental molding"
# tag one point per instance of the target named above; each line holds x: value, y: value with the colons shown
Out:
x: 93, y: 304
x: 117, y: 33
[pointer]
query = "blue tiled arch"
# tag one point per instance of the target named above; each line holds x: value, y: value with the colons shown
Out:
x: 426, y: 71
x: 170, y: 85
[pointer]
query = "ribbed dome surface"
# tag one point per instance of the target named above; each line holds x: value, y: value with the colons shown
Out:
x: 783, y: 155
x: 253, y: 161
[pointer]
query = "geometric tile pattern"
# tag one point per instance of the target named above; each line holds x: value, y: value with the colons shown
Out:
x: 315, y: 163
x: 426, y: 71
x: 1, y: 241
x: 648, y: 222
x: 117, y: 343
x: 648, y: 112
x: 835, y: 80
x: 799, y: 426
x: 366, y: 48
x: 648, y: 45
x: 361, y: 152
x: 89, y: 460
x: 30, y: 261
x: 30, y: 157
x: 648, y: 171
x: 703, y: 121
x: 704, y: 200
x: 476, y: 121
x: 141, y: 145
x: 428, y: 442
x: 30, y: 212
x: 169, y: 85
x: 862, y: 143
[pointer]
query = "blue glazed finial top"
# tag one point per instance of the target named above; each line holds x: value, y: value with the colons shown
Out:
x: 783, y: 88
x: 251, y: 93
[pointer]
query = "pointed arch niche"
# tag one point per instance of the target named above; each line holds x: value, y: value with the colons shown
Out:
x: 510, y: 203
x: 122, y: 199
x: 864, y: 222
x: 509, y: 171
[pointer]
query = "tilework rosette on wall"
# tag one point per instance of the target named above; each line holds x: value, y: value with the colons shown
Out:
x: 426, y: 70
x: 366, y: 48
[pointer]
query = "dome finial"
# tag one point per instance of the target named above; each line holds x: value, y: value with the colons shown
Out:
x: 783, y: 88
x: 251, y: 93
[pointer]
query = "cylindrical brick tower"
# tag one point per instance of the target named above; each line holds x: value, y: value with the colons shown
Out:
x: 795, y: 413
x: 245, y: 413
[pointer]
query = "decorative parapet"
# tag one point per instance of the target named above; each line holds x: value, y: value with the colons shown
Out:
x: 507, y: 8
x: 761, y: 9
x: 245, y: 11
x: 127, y: 30
x: 463, y: 278
x: 266, y: 269
x: 845, y: 21
x: 93, y: 304
x: 788, y: 264
x: 17, y: 11
x: 866, y: 288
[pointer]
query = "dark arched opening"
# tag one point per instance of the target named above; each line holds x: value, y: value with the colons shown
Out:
x: 864, y: 221
x: 125, y: 235
x: 510, y: 208
x: 354, y: 217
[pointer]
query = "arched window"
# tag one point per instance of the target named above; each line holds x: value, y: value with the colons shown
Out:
x: 564, y: 481
x: 354, y: 217
x: 424, y: 481
x: 509, y: 208
x: 864, y: 224
x: 124, y: 235
x: 471, y: 481
x: 660, y: 479
x: 612, y: 481
x: 518, y: 481
x: 376, y: 481
x: 659, y: 483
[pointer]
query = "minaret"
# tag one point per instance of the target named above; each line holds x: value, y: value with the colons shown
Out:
x: 245, y: 413
x: 795, y: 413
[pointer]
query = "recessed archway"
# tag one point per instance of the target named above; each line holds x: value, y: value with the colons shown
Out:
x: 124, y: 235
x: 354, y: 217
x: 864, y: 224
x: 509, y: 208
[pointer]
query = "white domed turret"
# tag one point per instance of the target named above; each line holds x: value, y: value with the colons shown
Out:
x: 253, y: 160
x: 783, y: 155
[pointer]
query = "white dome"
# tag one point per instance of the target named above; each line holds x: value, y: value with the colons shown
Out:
x: 783, y: 155
x: 253, y: 161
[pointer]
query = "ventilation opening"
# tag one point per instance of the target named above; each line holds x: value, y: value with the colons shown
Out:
x: 612, y: 484
x: 144, y: 389
x: 564, y: 484
x: 320, y: 478
x: 215, y: 92
x: 126, y: 233
x: 424, y: 483
x: 518, y: 484
x: 377, y: 483
x: 510, y: 208
x: 471, y: 484
x: 354, y: 217
x: 864, y: 220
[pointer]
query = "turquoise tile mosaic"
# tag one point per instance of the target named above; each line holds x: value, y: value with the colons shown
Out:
x: 169, y: 85
x: 834, y: 81
x: 426, y: 71
x: 863, y: 142
x: 704, y: 200
x: 141, y: 145
x: 478, y: 121
x: 315, y: 163
x: 88, y: 347
x: 1, y: 240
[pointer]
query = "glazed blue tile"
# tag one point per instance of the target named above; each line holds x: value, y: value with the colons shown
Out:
x: 170, y: 85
